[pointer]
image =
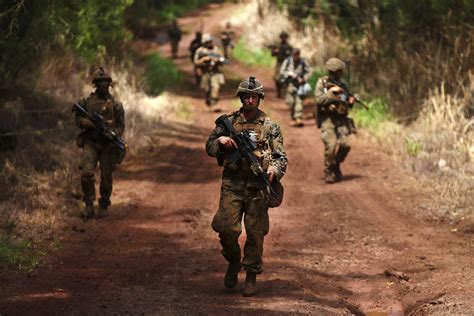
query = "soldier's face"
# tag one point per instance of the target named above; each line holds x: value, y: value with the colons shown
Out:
x: 102, y: 85
x: 250, y: 100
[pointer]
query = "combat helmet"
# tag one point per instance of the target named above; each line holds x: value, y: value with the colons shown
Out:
x: 100, y: 74
x: 206, y: 37
x: 335, y: 64
x: 250, y: 85
x: 283, y: 34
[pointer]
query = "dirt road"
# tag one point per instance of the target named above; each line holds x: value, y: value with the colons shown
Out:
x: 355, y: 247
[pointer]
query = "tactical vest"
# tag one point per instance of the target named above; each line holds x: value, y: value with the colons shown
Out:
x: 342, y: 106
x: 261, y: 130
x: 103, y: 107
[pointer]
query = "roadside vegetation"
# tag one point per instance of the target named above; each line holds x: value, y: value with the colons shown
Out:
x: 48, y: 52
x: 411, y: 61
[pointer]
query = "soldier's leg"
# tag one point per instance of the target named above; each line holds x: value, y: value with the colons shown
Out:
x: 108, y: 164
x: 206, y: 87
x: 256, y: 226
x: 343, y: 143
x: 215, y: 88
x: 276, y: 79
x: 228, y: 223
x: 90, y: 156
x: 329, y: 138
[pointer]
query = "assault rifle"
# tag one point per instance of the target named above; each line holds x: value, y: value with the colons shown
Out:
x: 215, y: 58
x: 346, y: 94
x: 245, y: 148
x: 101, y: 129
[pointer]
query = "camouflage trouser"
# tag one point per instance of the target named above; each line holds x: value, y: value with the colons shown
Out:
x: 174, y: 48
x: 279, y: 86
x: 211, y: 83
x: 334, y: 133
x: 91, y: 155
x: 294, y: 102
x: 252, y: 206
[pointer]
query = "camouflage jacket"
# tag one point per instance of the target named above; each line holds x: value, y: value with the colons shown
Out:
x: 325, y: 98
x: 281, y: 51
x: 207, y: 66
x: 270, y: 149
x: 111, y: 110
x: 301, y: 69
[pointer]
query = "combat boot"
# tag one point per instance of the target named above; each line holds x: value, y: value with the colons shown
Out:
x: 338, y: 173
x: 250, y: 288
x: 103, y: 212
x: 329, y: 177
x: 88, y: 212
x: 299, y: 122
x: 232, y: 275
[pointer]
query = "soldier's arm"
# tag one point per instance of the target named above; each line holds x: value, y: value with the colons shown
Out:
x: 283, y: 68
x: 308, y: 71
x: 213, y: 148
x: 279, y: 158
x: 322, y: 97
x: 200, y: 61
x: 119, y: 115
x: 78, y: 117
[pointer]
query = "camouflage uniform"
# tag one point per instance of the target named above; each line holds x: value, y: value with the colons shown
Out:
x: 241, y: 195
x: 293, y: 98
x: 281, y: 51
x: 97, y: 148
x: 227, y: 35
x: 332, y: 119
x: 211, y: 78
x: 193, y: 47
x: 174, y: 35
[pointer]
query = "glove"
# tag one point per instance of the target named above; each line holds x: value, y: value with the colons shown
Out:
x: 86, y: 123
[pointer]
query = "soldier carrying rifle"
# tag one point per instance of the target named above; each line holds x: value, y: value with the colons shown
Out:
x: 208, y: 58
x: 102, y: 122
x: 249, y: 145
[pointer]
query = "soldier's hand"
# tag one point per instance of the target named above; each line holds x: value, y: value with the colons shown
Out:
x: 227, y: 142
x: 271, y: 175
x: 86, y: 123
x: 351, y: 100
x: 336, y: 89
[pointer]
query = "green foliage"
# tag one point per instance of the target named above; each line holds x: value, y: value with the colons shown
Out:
x: 379, y: 111
x: 317, y: 73
x: 252, y: 57
x: 161, y: 74
x: 413, y: 146
x: 29, y: 28
x: 18, y: 254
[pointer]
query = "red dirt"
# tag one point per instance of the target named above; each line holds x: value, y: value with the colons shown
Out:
x: 327, y: 252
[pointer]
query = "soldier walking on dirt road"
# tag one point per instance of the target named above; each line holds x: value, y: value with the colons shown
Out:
x: 333, y: 102
x: 174, y: 35
x: 96, y: 148
x: 241, y: 194
x: 296, y: 71
x: 281, y: 51
x: 208, y: 58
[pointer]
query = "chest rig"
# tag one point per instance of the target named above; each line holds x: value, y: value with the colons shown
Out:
x: 341, y: 106
x: 103, y: 107
x: 258, y: 129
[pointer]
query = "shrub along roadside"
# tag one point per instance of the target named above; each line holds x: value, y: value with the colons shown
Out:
x: 160, y: 74
x: 252, y: 57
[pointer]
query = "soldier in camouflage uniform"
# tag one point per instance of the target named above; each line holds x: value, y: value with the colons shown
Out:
x: 241, y: 196
x: 333, y: 102
x: 296, y: 71
x: 174, y: 35
x: 95, y: 147
x: 227, y: 36
x: 211, y: 78
x: 281, y: 51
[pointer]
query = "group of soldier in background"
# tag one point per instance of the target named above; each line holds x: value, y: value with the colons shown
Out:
x: 247, y: 143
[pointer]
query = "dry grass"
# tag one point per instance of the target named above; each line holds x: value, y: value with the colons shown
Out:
x: 430, y: 88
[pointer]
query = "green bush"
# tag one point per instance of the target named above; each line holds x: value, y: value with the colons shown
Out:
x: 317, y: 73
x: 18, y: 254
x: 379, y: 111
x: 413, y: 146
x: 161, y: 74
x: 252, y: 57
